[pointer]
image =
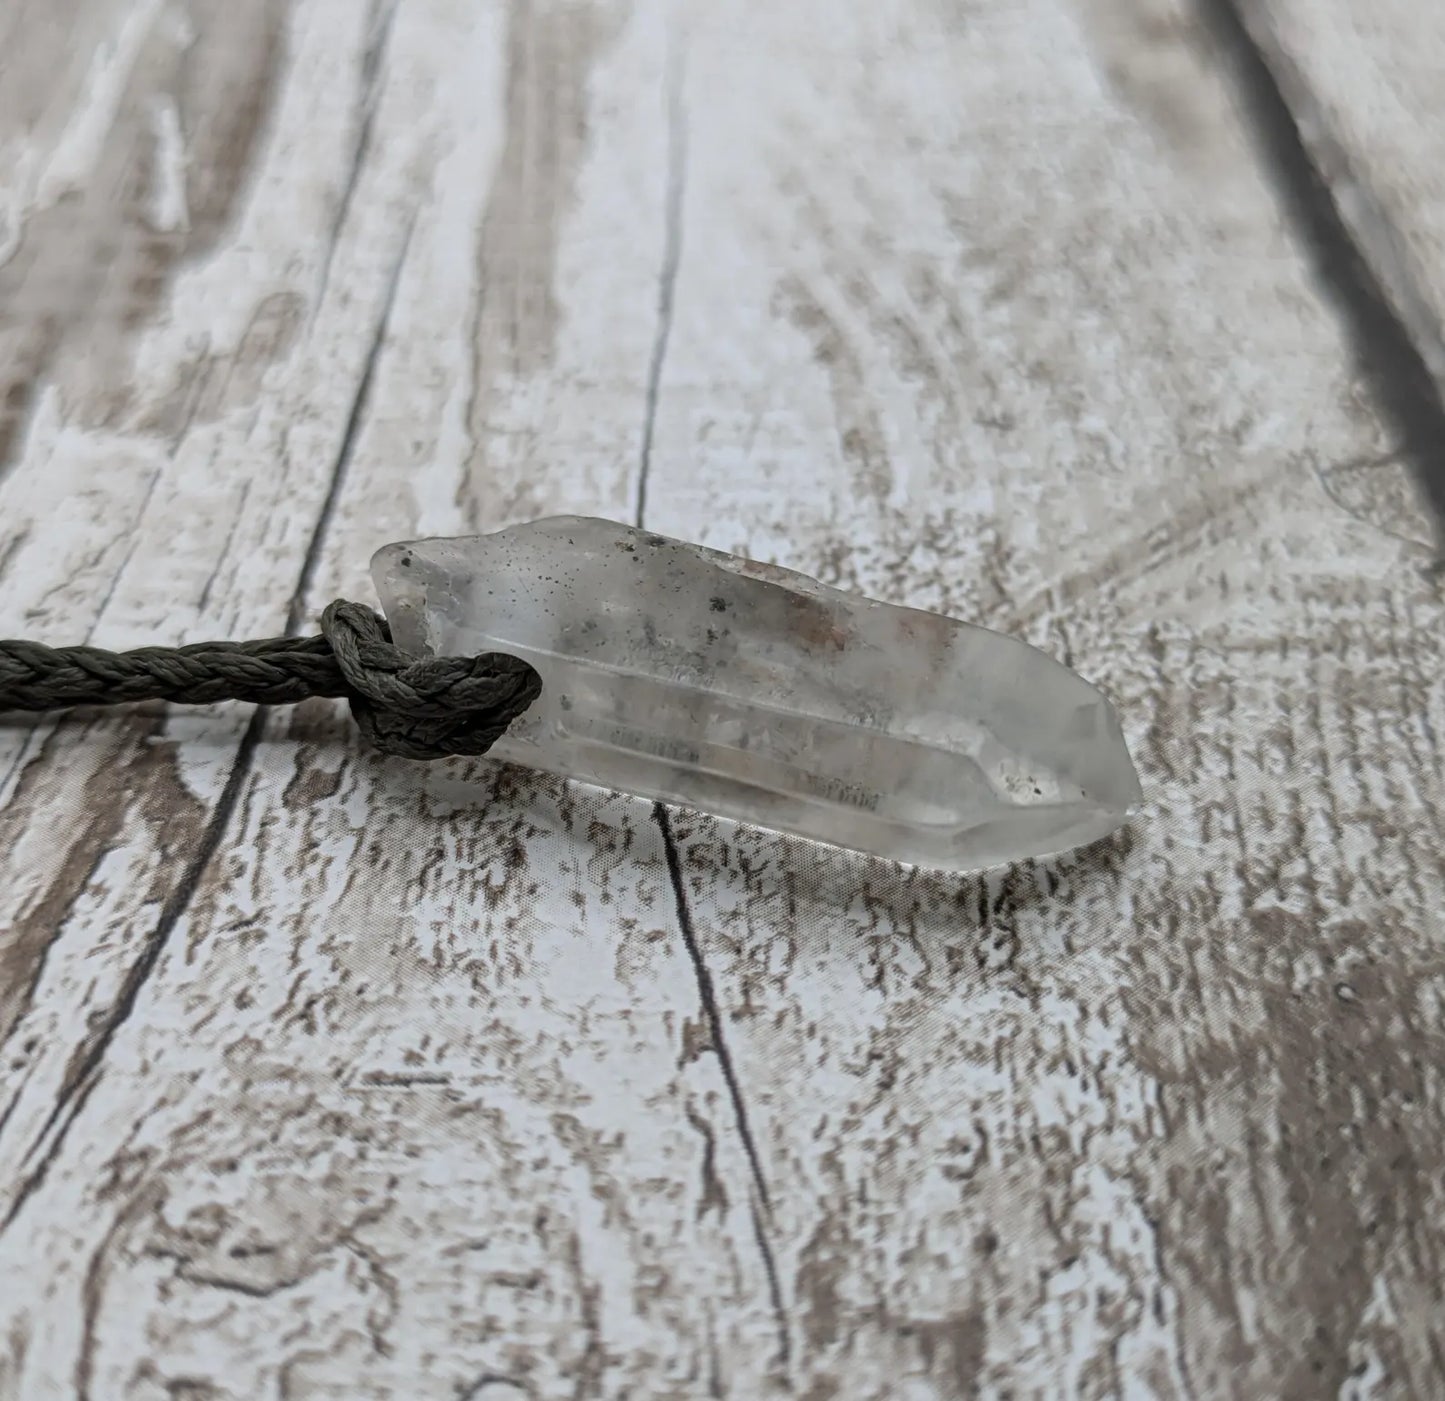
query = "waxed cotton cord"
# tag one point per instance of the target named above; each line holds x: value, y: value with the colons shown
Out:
x: 416, y: 707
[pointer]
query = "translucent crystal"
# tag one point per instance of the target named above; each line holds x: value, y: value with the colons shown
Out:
x: 754, y: 692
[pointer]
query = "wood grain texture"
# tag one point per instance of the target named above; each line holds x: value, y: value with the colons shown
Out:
x: 329, y: 1075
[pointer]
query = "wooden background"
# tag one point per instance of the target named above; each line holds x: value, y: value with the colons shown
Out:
x: 1113, y: 323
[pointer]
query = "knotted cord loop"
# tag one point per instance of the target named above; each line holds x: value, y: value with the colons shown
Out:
x: 420, y: 708
x: 424, y: 708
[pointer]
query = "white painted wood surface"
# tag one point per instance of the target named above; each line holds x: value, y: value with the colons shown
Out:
x: 1366, y: 84
x: 326, y: 1075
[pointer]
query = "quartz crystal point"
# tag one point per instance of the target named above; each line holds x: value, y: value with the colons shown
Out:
x: 754, y: 692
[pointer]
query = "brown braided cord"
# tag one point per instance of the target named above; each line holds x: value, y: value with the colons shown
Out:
x: 420, y: 708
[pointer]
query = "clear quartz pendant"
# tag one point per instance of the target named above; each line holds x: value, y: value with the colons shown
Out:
x: 750, y: 691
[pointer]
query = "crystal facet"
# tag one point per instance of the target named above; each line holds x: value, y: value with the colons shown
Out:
x: 754, y: 692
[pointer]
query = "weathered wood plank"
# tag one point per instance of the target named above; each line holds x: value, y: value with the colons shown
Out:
x: 334, y: 1080
x: 411, y: 1086
x: 1159, y: 1117
x: 131, y: 501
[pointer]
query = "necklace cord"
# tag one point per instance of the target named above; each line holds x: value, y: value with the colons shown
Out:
x: 415, y: 707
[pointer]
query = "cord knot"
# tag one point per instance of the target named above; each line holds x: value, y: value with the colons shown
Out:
x: 424, y: 707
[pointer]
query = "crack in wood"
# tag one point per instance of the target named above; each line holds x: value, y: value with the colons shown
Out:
x: 379, y: 26
x: 356, y: 415
x: 84, y: 1071
x: 667, y: 284
x: 12, y: 547
x: 707, y: 993
x: 671, y: 261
